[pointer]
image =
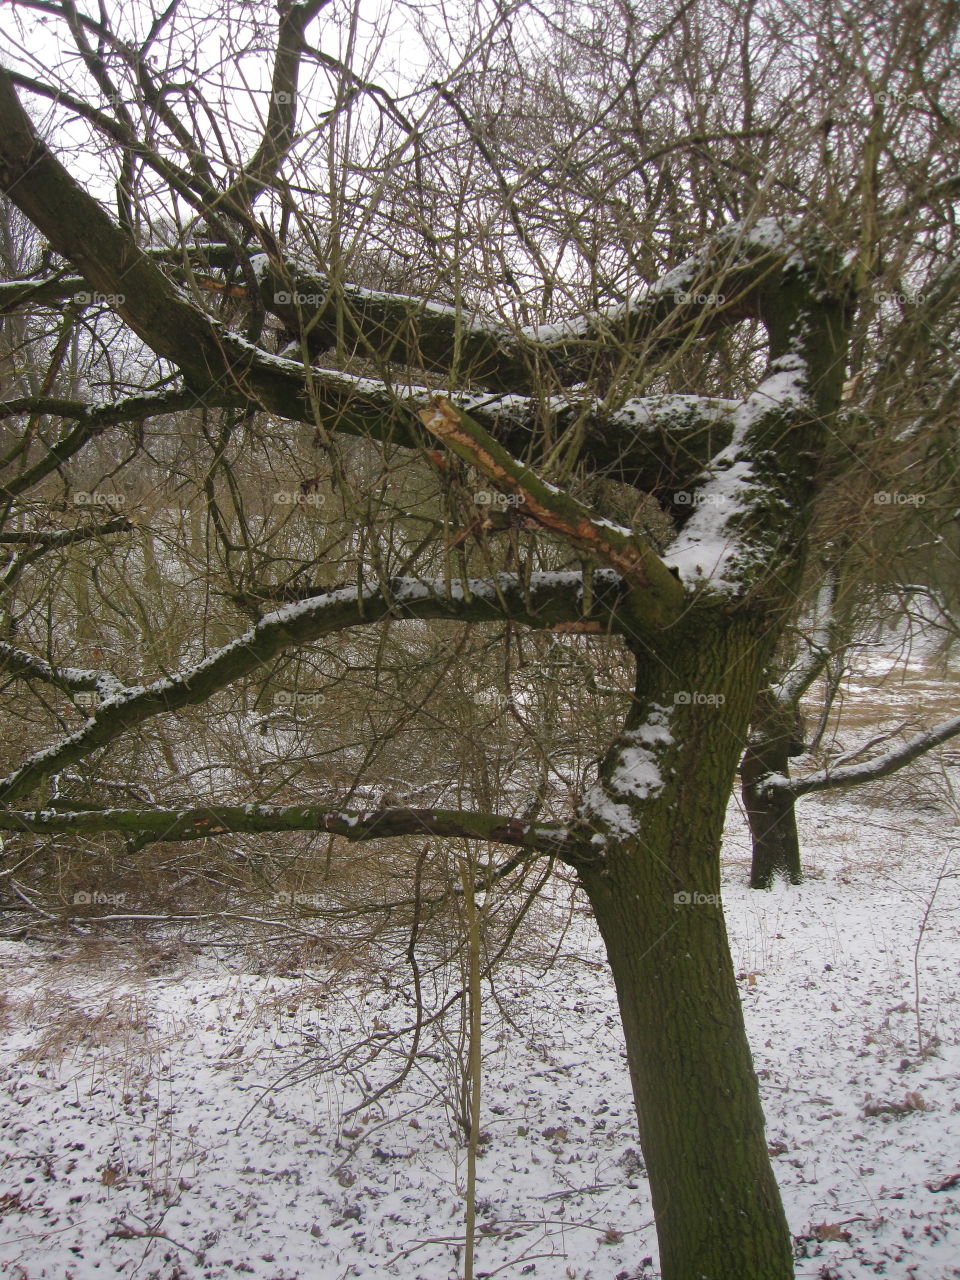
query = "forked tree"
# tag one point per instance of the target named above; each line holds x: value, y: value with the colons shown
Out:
x: 700, y: 621
x: 520, y: 415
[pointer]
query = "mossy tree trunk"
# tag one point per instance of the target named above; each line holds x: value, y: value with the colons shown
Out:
x: 656, y: 897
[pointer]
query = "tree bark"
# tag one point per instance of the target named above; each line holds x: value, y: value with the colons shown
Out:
x: 773, y: 822
x: 771, y: 811
x: 656, y: 897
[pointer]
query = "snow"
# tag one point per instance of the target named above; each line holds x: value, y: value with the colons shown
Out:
x: 260, y: 266
x: 303, y: 278
x: 406, y: 591
x: 766, y: 235
x: 637, y: 772
x: 576, y: 327
x: 708, y: 550
x: 178, y: 1094
x: 439, y: 309
x: 636, y: 775
x: 652, y: 411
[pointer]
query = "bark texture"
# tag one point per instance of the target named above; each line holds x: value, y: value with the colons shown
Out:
x: 656, y: 896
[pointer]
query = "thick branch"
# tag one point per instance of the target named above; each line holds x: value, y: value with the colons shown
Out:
x: 80, y: 230
x: 557, y: 512
x: 38, y: 291
x: 550, y: 599
x: 48, y: 539
x: 17, y: 662
x: 279, y: 132
x: 871, y: 770
x: 736, y: 276
x: 353, y: 825
x: 732, y: 536
x: 90, y: 420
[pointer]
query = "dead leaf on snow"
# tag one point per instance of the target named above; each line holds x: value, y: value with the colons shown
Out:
x: 830, y: 1231
x: 944, y: 1184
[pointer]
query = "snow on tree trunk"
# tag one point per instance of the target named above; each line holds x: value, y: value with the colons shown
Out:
x: 655, y: 892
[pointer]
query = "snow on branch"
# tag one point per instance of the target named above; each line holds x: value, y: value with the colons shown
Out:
x: 727, y: 280
x: 717, y: 545
x: 152, y: 825
x: 19, y: 663
x: 89, y: 420
x: 654, y: 442
x: 547, y: 600
x: 38, y: 291
x: 50, y: 539
x: 633, y: 773
x: 722, y: 284
x: 870, y: 770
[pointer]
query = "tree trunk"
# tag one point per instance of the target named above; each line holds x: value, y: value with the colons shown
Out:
x: 656, y: 897
x: 770, y: 813
x: 773, y: 824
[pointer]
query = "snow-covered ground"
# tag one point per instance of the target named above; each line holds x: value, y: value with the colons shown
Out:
x: 138, y: 1137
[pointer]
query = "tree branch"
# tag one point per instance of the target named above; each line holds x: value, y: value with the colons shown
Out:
x: 736, y: 276
x: 279, y: 131
x: 558, y: 513
x: 548, y: 600
x: 90, y: 419
x: 17, y: 662
x: 201, y: 824
x: 871, y: 770
x: 49, y: 539
x: 38, y: 291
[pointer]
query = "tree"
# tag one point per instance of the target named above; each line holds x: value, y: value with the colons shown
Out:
x: 768, y: 790
x: 897, y: 569
x: 513, y: 436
